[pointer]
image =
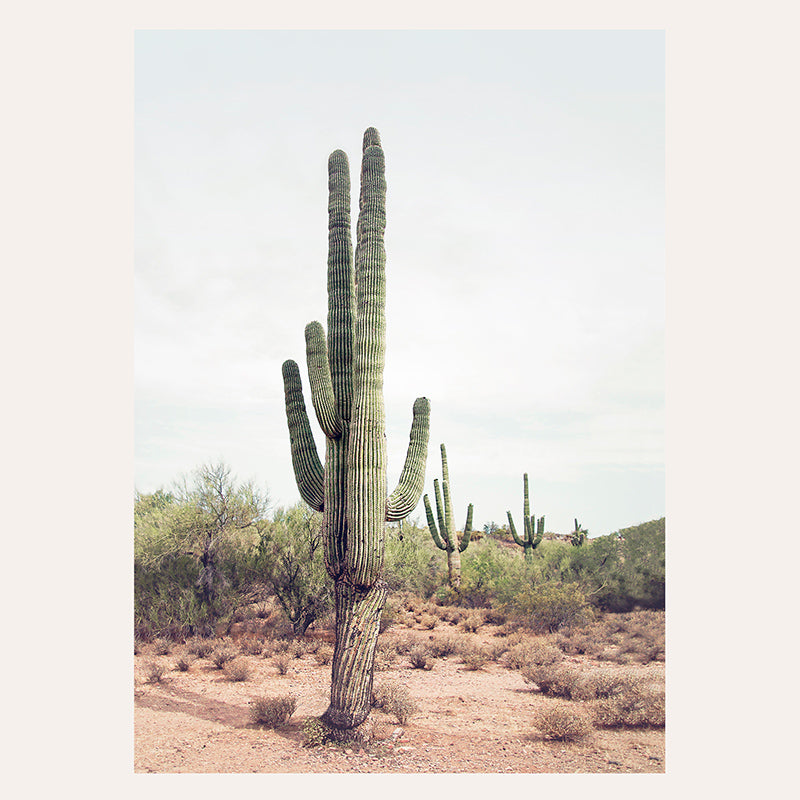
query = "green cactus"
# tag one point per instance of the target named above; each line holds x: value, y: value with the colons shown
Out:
x: 346, y: 380
x: 533, y: 532
x: 578, y: 536
x: 448, y: 541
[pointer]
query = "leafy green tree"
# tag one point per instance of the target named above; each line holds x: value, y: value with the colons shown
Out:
x: 289, y: 558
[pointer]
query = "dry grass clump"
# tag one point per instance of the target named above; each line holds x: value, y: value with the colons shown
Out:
x: 427, y: 621
x: 443, y: 644
x: 473, y: 656
x: 420, y: 658
x: 528, y: 653
x: 395, y: 698
x: 154, y: 671
x: 200, y: 647
x: 554, y: 680
x: 472, y: 621
x: 237, y: 670
x: 162, y: 647
x: 273, y: 712
x: 281, y: 662
x: 222, y: 655
x: 563, y: 722
x: 184, y: 662
x: 634, y: 703
x: 251, y: 647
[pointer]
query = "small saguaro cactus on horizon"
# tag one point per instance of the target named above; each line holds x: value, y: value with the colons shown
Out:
x: 446, y: 537
x: 533, y: 532
x: 346, y: 378
x: 578, y: 536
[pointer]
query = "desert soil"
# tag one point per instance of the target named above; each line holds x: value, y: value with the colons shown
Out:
x: 468, y: 721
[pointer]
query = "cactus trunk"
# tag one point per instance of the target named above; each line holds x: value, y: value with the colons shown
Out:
x: 346, y: 379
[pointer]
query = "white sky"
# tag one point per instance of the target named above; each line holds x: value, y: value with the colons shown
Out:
x: 525, y: 242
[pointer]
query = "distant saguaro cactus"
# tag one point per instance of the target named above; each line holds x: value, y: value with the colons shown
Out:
x: 578, y: 536
x: 346, y: 378
x: 448, y: 540
x: 533, y: 531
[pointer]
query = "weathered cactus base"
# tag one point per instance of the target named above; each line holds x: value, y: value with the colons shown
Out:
x: 358, y: 617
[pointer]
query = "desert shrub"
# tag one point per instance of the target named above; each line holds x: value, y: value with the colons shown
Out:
x: 472, y: 622
x: 222, y: 655
x: 297, y: 648
x: 420, y: 658
x: 324, y: 655
x: 315, y: 733
x: 273, y: 712
x: 532, y: 653
x: 237, y: 670
x: 443, y: 644
x: 200, y: 647
x: 427, y: 621
x: 262, y: 611
x: 550, y: 607
x: 251, y: 647
x: 281, y: 662
x: 395, y: 698
x: 388, y: 617
x: 472, y: 656
x: 184, y: 662
x: 412, y: 563
x: 154, y: 671
x: 162, y: 647
x: 403, y: 643
x: 563, y: 722
x: 633, y: 702
x: 554, y: 680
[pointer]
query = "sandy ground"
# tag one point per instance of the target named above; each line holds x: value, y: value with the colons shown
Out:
x: 469, y: 721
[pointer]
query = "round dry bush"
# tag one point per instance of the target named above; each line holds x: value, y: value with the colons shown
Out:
x: 420, y: 658
x: 237, y: 670
x: 639, y: 706
x: 604, y: 683
x: 251, y: 646
x: 473, y: 621
x: 554, y: 680
x: 222, y: 655
x: 184, y: 662
x: 444, y: 644
x: 154, y: 671
x: 427, y: 621
x: 563, y: 722
x: 281, y: 662
x: 273, y: 712
x: 532, y: 654
x: 395, y: 698
x: 162, y: 647
x: 200, y: 647
x: 474, y: 658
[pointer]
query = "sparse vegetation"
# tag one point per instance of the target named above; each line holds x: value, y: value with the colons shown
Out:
x: 563, y: 722
x: 237, y: 670
x: 395, y: 698
x: 273, y: 712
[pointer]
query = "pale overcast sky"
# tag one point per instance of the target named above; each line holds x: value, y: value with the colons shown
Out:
x: 525, y: 254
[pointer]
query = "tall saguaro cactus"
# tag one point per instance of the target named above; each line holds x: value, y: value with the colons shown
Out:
x: 346, y: 379
x: 448, y: 541
x: 533, y: 532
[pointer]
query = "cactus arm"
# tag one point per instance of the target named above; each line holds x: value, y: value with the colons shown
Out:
x: 467, y: 530
x: 539, y: 533
x: 432, y: 525
x: 319, y: 378
x: 307, y: 467
x: 513, y: 530
x: 366, y: 461
x: 341, y: 283
x: 440, y: 513
x: 405, y: 497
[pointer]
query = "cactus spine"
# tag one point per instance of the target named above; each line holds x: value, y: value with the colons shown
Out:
x: 346, y: 379
x: 578, y: 536
x: 533, y: 531
x: 448, y: 540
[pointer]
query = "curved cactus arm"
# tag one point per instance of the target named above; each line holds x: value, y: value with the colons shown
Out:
x: 467, y: 531
x: 440, y: 513
x: 432, y: 525
x: 513, y: 530
x: 308, y: 470
x: 403, y: 500
x: 319, y: 378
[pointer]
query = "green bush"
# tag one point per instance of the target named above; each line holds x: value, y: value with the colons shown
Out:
x: 549, y: 607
